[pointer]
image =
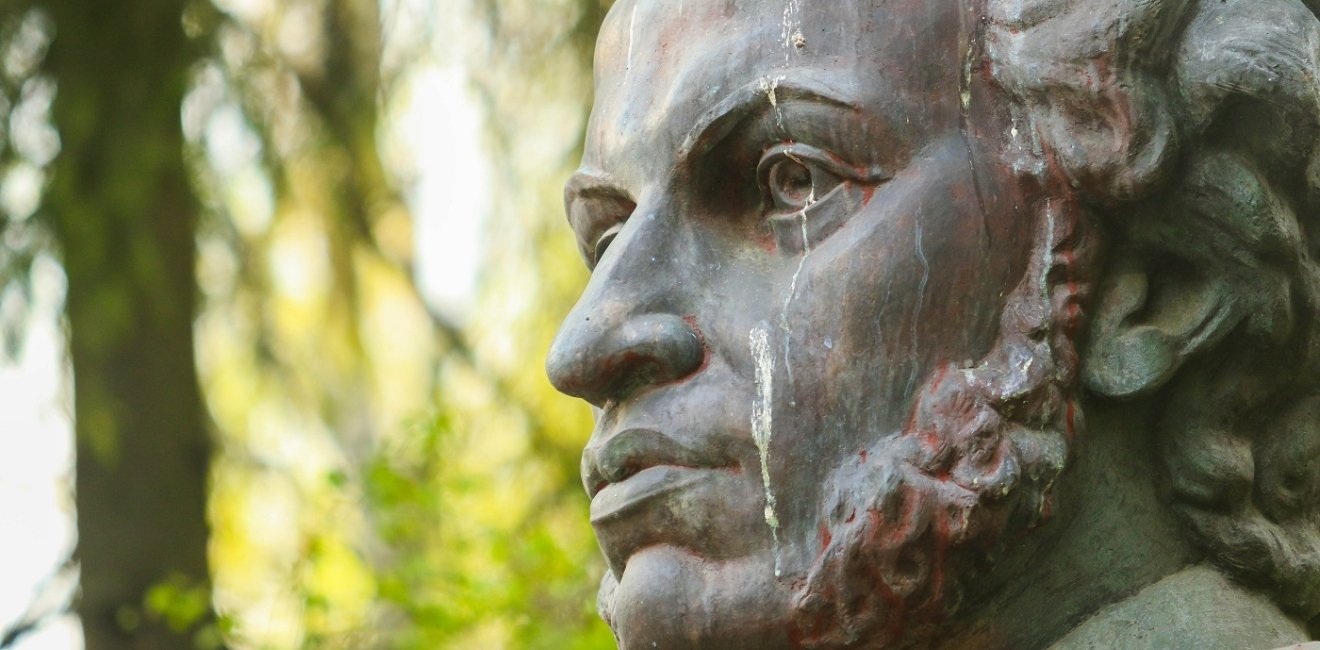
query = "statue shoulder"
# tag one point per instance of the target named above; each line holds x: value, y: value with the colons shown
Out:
x: 1197, y: 607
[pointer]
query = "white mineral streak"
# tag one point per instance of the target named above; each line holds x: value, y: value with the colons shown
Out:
x: 792, y: 291
x: 966, y: 91
x: 632, y: 24
x: 1048, y: 253
x: 916, y: 311
x: 763, y: 423
x: 791, y: 25
x: 768, y: 86
x: 802, y: 220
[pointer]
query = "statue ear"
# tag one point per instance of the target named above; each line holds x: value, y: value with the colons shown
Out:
x: 1150, y: 317
x: 1219, y: 253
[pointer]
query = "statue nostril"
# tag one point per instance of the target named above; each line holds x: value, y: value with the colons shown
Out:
x: 654, y: 349
x: 603, y: 361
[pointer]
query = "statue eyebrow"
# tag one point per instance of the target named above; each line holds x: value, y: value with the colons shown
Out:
x: 765, y: 94
x: 711, y: 128
x: 586, y: 182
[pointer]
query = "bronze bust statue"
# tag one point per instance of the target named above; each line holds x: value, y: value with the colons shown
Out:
x: 953, y: 323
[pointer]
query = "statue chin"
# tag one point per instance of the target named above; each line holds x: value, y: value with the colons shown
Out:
x: 671, y: 598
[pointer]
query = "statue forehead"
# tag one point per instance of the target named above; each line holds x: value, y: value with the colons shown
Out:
x: 661, y: 63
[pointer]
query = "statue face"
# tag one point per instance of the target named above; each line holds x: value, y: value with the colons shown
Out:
x: 790, y: 234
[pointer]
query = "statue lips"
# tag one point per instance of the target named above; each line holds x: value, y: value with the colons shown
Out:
x: 616, y: 500
x: 648, y: 488
x: 686, y: 507
x: 636, y: 465
x: 632, y: 450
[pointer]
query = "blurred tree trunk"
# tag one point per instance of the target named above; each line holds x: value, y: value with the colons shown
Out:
x: 125, y: 216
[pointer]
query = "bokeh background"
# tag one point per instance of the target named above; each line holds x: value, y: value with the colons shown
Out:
x: 276, y: 282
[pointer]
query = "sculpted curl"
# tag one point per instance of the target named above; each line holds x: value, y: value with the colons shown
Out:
x: 1240, y: 438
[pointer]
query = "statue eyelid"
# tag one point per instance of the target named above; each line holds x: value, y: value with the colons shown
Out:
x: 601, y: 219
x: 602, y: 243
x: 808, y: 156
x: 597, y: 208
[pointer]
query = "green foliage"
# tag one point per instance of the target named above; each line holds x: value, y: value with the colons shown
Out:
x: 178, y: 601
x: 182, y: 604
x: 25, y: 153
x: 472, y: 563
x: 468, y: 529
x: 525, y: 524
x: 339, y: 519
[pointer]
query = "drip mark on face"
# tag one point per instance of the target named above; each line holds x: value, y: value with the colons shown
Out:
x: 762, y: 421
x: 792, y: 291
x: 769, y: 85
x: 632, y: 24
x: 916, y: 314
x: 790, y: 30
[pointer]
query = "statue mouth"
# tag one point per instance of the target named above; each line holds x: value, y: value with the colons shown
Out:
x: 617, y: 500
x: 671, y: 505
x: 690, y: 491
x: 632, y: 451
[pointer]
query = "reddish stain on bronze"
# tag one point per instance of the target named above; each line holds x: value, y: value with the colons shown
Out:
x: 901, y: 529
x: 1073, y: 315
x: 691, y: 321
x: 933, y: 442
x: 938, y: 560
x: 876, y: 522
x: 897, y: 609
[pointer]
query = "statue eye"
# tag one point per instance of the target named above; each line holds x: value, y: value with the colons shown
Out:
x: 791, y: 184
x: 794, y: 176
x: 597, y: 215
x: 808, y: 193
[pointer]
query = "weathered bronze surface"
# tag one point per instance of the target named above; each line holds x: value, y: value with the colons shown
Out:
x: 953, y: 323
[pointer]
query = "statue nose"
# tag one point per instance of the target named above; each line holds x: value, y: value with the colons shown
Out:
x: 601, y: 359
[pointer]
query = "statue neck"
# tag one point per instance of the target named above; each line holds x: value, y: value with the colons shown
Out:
x: 1115, y: 570
x: 1196, y: 607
